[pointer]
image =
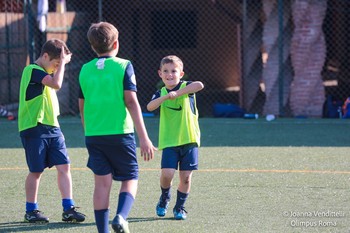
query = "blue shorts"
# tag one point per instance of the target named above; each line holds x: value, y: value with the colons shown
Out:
x: 184, y: 157
x: 45, y: 152
x: 114, y: 154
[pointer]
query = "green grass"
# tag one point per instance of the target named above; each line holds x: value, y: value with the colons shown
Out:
x: 255, y: 176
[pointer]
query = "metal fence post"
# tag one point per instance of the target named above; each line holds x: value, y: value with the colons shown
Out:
x: 99, y: 10
x: 244, y: 24
x: 280, y: 57
x: 30, y: 25
x: 8, y: 58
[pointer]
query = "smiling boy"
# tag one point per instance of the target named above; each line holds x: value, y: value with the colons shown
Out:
x: 179, y: 133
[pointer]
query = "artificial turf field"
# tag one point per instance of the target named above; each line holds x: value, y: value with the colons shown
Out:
x: 288, y: 175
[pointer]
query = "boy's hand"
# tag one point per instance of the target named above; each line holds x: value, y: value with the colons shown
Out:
x: 172, y: 95
x: 147, y: 149
x: 65, y: 58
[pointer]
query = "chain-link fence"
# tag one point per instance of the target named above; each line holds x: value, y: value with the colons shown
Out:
x: 281, y: 57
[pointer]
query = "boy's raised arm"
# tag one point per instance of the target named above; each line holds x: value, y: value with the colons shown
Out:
x: 190, y: 88
x: 154, y: 104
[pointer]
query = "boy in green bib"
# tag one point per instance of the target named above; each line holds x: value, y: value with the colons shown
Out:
x: 110, y: 110
x: 179, y: 134
x: 40, y: 132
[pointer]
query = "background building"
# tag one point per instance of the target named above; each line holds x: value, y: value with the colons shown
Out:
x: 266, y: 56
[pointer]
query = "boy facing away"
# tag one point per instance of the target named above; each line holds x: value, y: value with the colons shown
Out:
x: 179, y: 134
x: 41, y: 136
x: 110, y: 109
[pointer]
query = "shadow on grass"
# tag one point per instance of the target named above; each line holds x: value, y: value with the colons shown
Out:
x: 130, y: 220
x: 24, y: 227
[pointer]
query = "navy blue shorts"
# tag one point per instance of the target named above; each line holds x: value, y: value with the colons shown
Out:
x: 184, y: 157
x: 114, y: 154
x: 45, y: 152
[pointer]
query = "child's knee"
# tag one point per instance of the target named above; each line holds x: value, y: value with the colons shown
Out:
x: 64, y: 169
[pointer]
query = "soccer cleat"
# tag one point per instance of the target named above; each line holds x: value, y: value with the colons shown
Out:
x: 36, y: 216
x: 180, y: 213
x: 120, y: 225
x: 162, y: 207
x: 72, y: 215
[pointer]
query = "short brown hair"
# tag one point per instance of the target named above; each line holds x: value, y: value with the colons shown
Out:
x: 53, y: 48
x: 171, y: 59
x: 102, y: 36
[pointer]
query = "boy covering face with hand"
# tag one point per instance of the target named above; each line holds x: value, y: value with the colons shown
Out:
x: 41, y: 136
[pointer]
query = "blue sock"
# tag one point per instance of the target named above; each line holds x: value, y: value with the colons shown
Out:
x: 67, y: 204
x: 102, y: 220
x: 181, y: 199
x: 166, y: 194
x: 30, y: 207
x: 125, y: 202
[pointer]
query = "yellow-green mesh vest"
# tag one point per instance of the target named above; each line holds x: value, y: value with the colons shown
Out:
x: 105, y: 112
x: 43, y: 108
x: 178, y: 124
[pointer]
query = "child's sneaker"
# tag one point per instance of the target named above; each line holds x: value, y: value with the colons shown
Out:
x: 162, y: 207
x: 11, y: 117
x: 36, y: 216
x: 7, y: 114
x: 180, y: 214
x: 72, y: 215
x: 120, y: 225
